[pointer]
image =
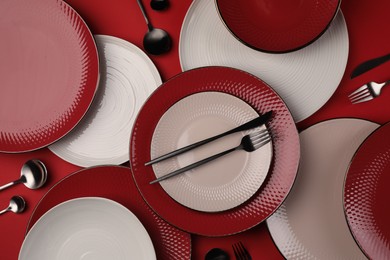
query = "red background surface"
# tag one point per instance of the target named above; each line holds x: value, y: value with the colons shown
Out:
x: 368, y: 27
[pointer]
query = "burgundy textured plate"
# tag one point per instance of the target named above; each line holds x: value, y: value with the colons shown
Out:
x: 116, y: 183
x: 282, y: 171
x: 366, y: 194
x: 277, y: 26
x: 49, y: 72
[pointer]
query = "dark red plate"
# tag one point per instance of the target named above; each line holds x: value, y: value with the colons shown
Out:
x: 116, y: 183
x: 49, y: 71
x: 277, y: 26
x: 285, y: 150
x: 366, y: 194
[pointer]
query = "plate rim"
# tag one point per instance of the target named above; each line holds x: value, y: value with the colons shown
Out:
x: 338, y: 7
x: 97, y: 72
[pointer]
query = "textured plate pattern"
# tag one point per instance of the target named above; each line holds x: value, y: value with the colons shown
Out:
x: 87, y: 228
x: 116, y: 183
x: 305, y: 79
x: 224, y: 183
x: 311, y: 224
x: 278, y: 26
x: 49, y: 71
x: 285, y: 150
x: 366, y: 195
x: 128, y: 77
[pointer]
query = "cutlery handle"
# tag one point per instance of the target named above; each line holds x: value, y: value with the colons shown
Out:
x: 251, y: 124
x: 194, y: 165
x: 368, y: 65
x: 8, y: 185
x: 4, y: 211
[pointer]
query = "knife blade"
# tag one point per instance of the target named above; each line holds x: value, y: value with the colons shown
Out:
x: 369, y: 65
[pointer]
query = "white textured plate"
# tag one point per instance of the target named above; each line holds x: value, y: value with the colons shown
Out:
x: 128, y: 77
x: 305, y: 79
x: 87, y: 228
x: 224, y: 183
x: 311, y: 223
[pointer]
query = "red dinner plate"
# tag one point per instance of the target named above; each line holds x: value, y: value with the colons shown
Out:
x: 49, y: 71
x: 366, y: 194
x: 277, y: 26
x: 285, y: 150
x: 116, y: 183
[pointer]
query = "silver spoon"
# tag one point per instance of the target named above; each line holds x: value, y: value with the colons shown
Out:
x: 16, y: 205
x: 33, y: 175
x: 156, y: 41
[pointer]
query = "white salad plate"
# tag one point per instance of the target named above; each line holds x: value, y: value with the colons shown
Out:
x: 128, y: 77
x: 88, y: 228
x: 305, y: 79
x: 221, y: 184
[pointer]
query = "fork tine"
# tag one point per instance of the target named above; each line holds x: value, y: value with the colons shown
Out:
x: 243, y: 249
x: 240, y: 252
x: 264, y: 142
x: 361, y: 97
x: 359, y: 94
x: 357, y: 91
x: 364, y: 99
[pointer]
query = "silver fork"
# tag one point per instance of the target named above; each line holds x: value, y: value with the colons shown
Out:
x: 248, y: 143
x: 240, y: 252
x: 367, y: 92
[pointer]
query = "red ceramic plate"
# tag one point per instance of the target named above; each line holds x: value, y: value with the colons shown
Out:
x: 282, y: 171
x: 366, y: 195
x: 116, y: 183
x: 49, y: 72
x: 277, y: 26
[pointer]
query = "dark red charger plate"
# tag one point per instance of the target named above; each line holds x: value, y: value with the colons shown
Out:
x: 116, y: 183
x: 367, y: 192
x: 285, y: 147
x: 49, y: 70
x: 277, y: 26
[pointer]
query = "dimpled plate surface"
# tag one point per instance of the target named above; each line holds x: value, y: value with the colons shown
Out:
x: 285, y: 150
x: 305, y: 79
x: 224, y: 183
x: 366, y: 195
x: 49, y: 72
x: 311, y: 224
x: 116, y: 183
x: 277, y: 26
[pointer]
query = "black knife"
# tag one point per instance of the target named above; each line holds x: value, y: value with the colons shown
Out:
x: 369, y: 65
x: 258, y: 121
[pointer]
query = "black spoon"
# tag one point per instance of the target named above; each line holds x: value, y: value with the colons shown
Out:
x: 156, y: 41
x: 217, y: 254
x: 159, y: 5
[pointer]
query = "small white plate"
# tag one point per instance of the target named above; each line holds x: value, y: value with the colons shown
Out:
x: 128, y: 77
x: 87, y: 228
x: 305, y: 79
x: 311, y: 223
x: 224, y: 183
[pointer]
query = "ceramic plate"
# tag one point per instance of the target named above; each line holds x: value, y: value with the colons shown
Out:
x: 49, y: 72
x: 116, y: 183
x: 127, y: 79
x: 282, y: 171
x: 224, y: 183
x: 88, y: 228
x: 277, y: 26
x: 305, y: 79
x: 366, y: 194
x: 311, y: 224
